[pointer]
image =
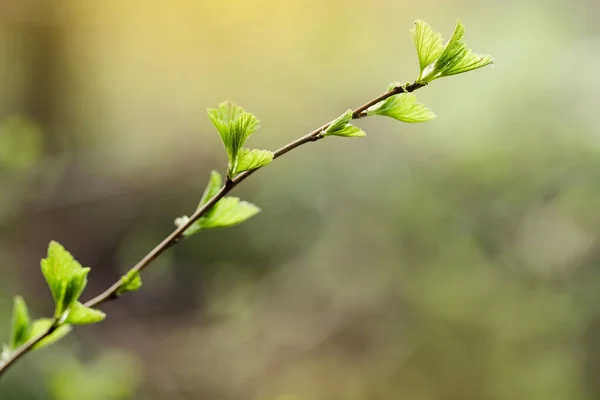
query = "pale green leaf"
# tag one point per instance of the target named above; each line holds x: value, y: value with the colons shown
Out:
x: 214, y: 185
x: 468, y: 63
x: 130, y: 282
x: 456, y: 58
x: 64, y: 275
x: 72, y: 290
x: 339, y: 123
x: 40, y: 326
x: 57, y: 268
x: 341, y: 127
x: 348, y: 131
x: 229, y: 211
x: 235, y: 126
x: 212, y: 188
x: 428, y: 43
x: 21, y: 323
x: 403, y: 107
x: 252, y: 159
x: 82, y: 315
x: 193, y: 229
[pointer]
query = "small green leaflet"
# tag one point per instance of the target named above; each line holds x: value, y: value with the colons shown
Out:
x: 42, y: 325
x: 227, y: 212
x: 404, y: 107
x: 23, y: 330
x: 21, y: 324
x: 82, y: 315
x: 214, y: 184
x: 341, y: 127
x: 428, y: 43
x: 130, y: 282
x: 252, y: 159
x: 235, y: 126
x: 437, y: 61
x: 64, y: 275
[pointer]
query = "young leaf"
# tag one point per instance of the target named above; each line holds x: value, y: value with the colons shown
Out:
x: 235, y: 126
x: 455, y: 58
x: 403, y: 107
x: 229, y: 211
x: 21, y: 324
x: 41, y: 325
x: 428, y: 43
x: 64, y: 275
x: 82, y: 315
x: 130, y: 282
x: 341, y: 127
x: 252, y: 159
x: 214, y: 185
x: 72, y: 290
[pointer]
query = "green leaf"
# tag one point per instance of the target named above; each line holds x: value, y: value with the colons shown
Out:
x: 455, y: 58
x: 252, y: 159
x: 341, y: 127
x: 73, y: 289
x: 214, y: 185
x: 235, y: 126
x: 82, y: 315
x: 40, y: 326
x: 428, y: 43
x: 21, y: 323
x: 229, y: 211
x: 404, y: 107
x: 64, y: 275
x: 130, y: 282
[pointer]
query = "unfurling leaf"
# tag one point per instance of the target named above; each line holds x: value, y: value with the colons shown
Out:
x: 403, y: 107
x: 235, y: 126
x: 73, y: 289
x: 428, y: 43
x: 436, y: 61
x: 212, y: 188
x: 214, y: 184
x: 82, y: 315
x: 341, y: 127
x: 130, y: 282
x: 42, y: 325
x: 252, y: 159
x: 229, y: 211
x: 21, y: 324
x: 65, y: 277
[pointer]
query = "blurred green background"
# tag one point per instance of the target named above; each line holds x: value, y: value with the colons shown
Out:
x: 456, y: 259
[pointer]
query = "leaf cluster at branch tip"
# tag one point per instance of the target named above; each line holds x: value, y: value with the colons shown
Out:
x: 235, y: 126
x: 437, y: 60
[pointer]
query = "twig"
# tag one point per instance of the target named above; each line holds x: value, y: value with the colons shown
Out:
x: 173, y: 238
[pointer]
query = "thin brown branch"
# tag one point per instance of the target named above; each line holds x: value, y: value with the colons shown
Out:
x: 173, y: 238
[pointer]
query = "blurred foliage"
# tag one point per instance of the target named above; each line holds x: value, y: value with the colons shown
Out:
x: 113, y: 376
x: 453, y: 260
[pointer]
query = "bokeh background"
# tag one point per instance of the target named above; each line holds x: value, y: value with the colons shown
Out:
x: 457, y: 259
